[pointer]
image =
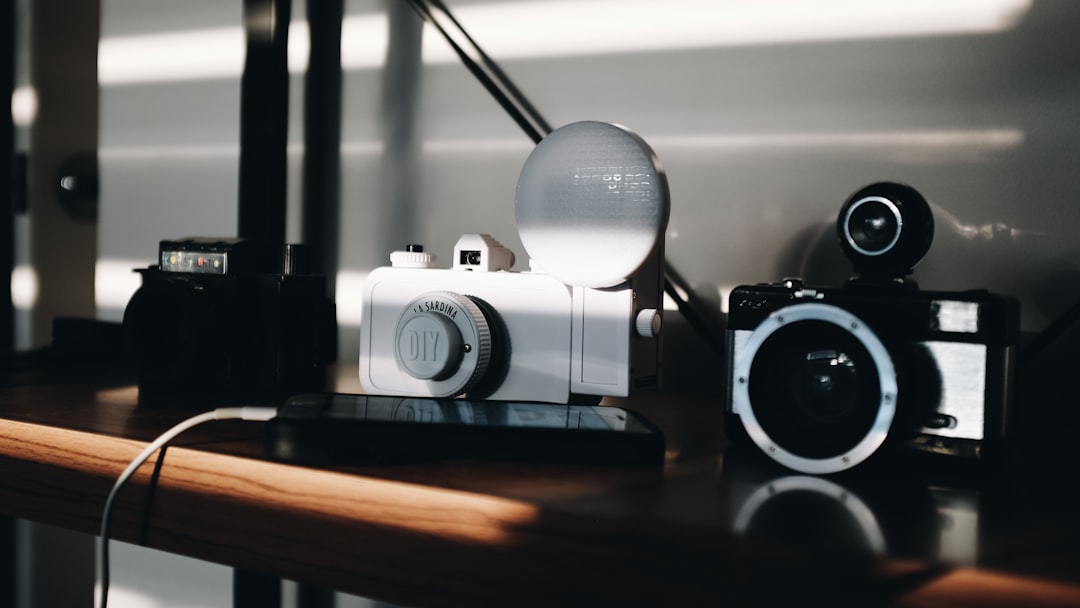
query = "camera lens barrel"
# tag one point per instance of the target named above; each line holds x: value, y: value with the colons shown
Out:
x: 815, y: 388
x: 444, y: 339
x: 885, y: 229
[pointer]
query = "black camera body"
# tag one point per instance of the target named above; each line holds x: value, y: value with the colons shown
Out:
x: 821, y: 379
x: 233, y: 315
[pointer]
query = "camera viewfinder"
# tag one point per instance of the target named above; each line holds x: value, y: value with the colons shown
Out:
x: 470, y: 258
x: 885, y: 229
x: 481, y: 252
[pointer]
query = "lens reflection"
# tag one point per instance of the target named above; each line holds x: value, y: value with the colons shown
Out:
x: 830, y: 384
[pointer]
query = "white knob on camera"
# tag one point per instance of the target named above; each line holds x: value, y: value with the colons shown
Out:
x: 648, y: 323
x: 412, y: 258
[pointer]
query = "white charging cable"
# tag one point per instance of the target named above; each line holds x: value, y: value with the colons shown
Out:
x: 224, y: 413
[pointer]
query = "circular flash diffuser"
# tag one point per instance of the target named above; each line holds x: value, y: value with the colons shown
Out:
x: 592, y: 204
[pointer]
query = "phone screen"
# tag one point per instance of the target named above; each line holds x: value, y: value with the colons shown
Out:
x: 343, y: 428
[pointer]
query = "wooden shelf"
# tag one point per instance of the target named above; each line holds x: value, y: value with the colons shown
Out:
x: 449, y: 532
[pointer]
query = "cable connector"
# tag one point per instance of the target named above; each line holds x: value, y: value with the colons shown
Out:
x: 256, y: 414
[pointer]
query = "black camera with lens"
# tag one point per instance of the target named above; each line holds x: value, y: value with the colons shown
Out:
x: 230, y: 315
x: 821, y: 379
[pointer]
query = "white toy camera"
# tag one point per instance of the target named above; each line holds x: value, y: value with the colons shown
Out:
x: 592, y: 205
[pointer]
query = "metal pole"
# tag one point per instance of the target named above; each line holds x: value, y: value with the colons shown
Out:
x: 264, y: 116
x: 321, y: 200
x: 7, y: 152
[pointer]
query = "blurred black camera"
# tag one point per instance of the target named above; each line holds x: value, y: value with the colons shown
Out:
x: 821, y: 379
x: 230, y: 314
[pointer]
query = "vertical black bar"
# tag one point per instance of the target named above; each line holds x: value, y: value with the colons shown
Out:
x: 322, y: 136
x: 264, y: 117
x: 7, y: 260
x: 264, y: 130
x: 7, y: 561
x: 312, y: 596
x: 7, y: 166
x: 255, y: 590
x: 8, y: 592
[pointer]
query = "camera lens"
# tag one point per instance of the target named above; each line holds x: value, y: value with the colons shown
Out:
x: 873, y: 225
x: 830, y: 382
x: 885, y: 229
x: 815, y: 388
x: 444, y: 340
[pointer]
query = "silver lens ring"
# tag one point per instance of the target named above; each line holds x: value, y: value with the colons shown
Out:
x: 891, y: 206
x: 886, y: 375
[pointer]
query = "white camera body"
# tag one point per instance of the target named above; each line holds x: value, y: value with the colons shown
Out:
x: 592, y: 206
x: 521, y: 335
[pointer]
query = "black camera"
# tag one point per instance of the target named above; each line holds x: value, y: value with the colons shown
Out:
x: 822, y: 379
x: 230, y: 314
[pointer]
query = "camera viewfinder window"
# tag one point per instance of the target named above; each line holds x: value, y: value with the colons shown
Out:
x: 470, y: 258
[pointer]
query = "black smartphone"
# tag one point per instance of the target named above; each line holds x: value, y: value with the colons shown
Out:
x: 336, y: 428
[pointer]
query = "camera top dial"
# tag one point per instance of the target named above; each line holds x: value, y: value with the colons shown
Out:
x: 592, y: 204
x: 885, y: 229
